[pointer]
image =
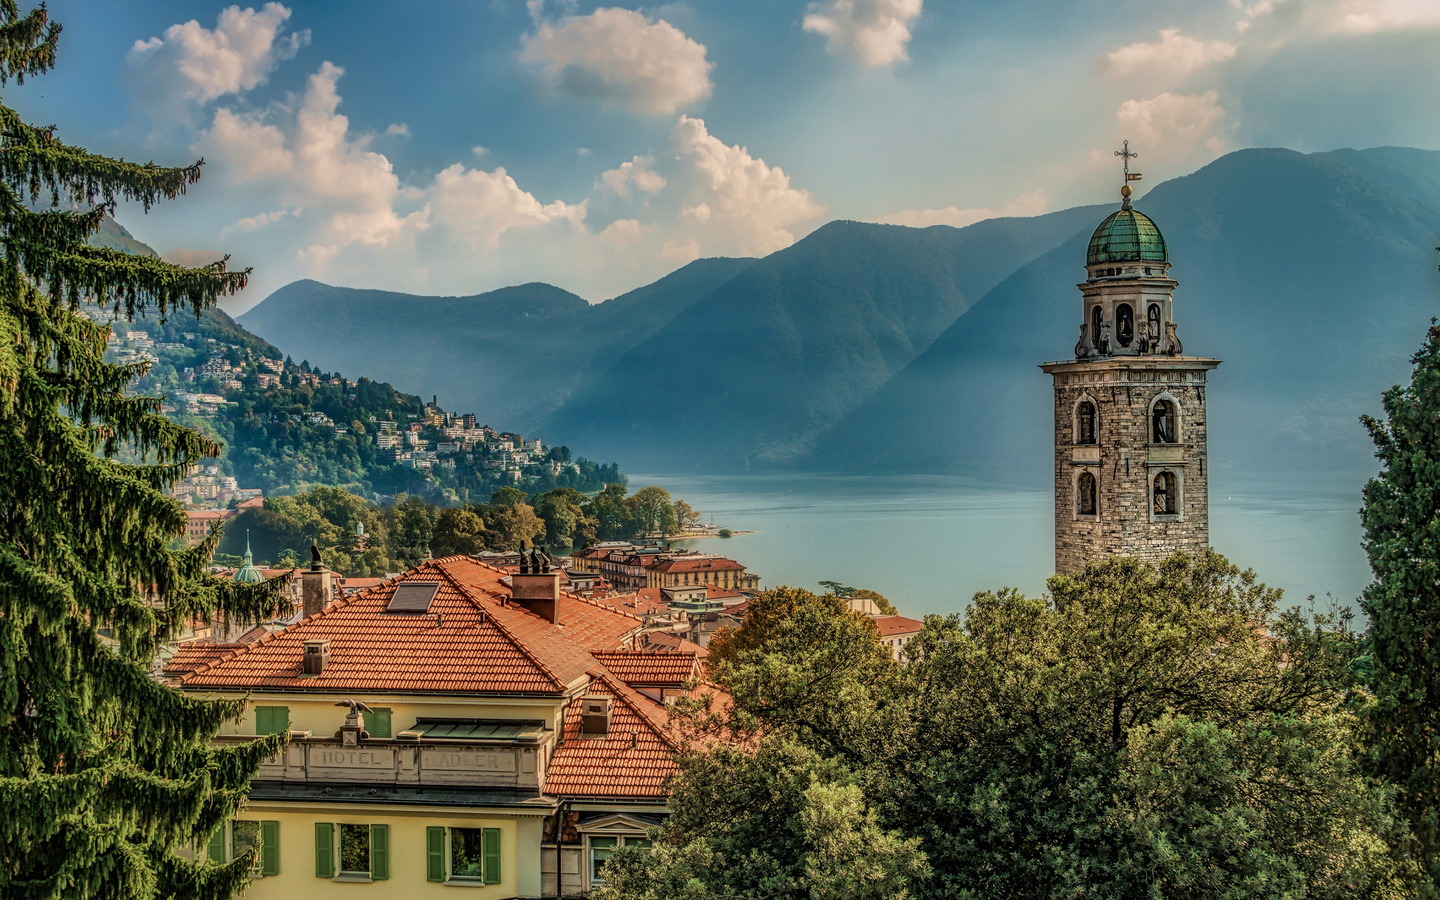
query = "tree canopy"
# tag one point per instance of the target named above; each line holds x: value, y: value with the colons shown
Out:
x: 1139, y: 732
x: 104, y: 772
x: 1402, y: 539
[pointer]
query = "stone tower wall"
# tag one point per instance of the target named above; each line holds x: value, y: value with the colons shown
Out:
x: 1125, y: 462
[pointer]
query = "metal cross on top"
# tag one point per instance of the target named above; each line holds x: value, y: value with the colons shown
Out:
x: 1128, y: 155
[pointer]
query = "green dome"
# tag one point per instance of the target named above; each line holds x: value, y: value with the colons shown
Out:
x: 1126, y: 235
x: 248, y: 574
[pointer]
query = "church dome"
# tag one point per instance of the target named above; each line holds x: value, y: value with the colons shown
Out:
x: 248, y: 574
x: 1126, y: 235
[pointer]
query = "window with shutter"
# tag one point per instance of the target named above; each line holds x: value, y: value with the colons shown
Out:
x: 434, y: 854
x: 271, y: 719
x: 269, y: 848
x: 377, y: 723
x: 324, y: 850
x: 490, y: 870
x: 215, y: 850
x: 379, y: 852
x: 245, y: 837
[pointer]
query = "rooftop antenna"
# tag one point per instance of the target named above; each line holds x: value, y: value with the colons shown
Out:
x: 1127, y: 154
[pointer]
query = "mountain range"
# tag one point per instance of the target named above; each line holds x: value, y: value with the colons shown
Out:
x: 883, y: 348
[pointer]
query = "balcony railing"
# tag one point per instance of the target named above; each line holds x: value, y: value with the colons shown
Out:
x: 407, y: 763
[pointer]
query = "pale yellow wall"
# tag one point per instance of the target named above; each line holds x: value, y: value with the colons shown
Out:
x: 519, y: 848
x: 322, y: 717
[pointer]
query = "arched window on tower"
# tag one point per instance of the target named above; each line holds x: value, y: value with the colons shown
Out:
x: 1124, y: 324
x: 1086, y: 499
x: 1163, y: 428
x: 1096, y: 320
x: 1085, y: 423
x: 1166, y: 499
x: 1152, y: 324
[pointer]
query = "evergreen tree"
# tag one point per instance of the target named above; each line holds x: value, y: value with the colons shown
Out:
x: 104, y: 772
x: 1402, y: 539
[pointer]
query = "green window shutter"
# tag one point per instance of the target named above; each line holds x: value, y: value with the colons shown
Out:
x: 378, y: 723
x: 490, y: 856
x: 271, y: 719
x: 324, y: 850
x: 269, y: 848
x: 215, y: 850
x: 379, y: 852
x: 434, y: 853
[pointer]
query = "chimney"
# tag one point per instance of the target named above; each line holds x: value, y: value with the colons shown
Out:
x: 317, y: 654
x: 537, y: 585
x: 315, y: 588
x: 594, y: 716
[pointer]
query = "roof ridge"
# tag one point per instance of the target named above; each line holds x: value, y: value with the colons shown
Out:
x: 490, y: 617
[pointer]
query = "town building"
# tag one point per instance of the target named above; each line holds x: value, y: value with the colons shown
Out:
x: 1130, y: 421
x: 896, y: 632
x: 630, y: 567
x: 458, y: 725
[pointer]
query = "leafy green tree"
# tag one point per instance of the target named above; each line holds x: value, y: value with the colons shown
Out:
x: 563, y: 510
x: 652, y: 511
x: 104, y: 772
x: 412, y: 526
x: 685, y: 516
x: 613, y: 519
x: 1146, y: 732
x: 514, y: 525
x: 460, y: 532
x: 1402, y: 539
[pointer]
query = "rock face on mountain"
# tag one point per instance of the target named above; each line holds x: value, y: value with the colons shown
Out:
x: 750, y: 375
x: 1311, y: 276
x: 512, y: 355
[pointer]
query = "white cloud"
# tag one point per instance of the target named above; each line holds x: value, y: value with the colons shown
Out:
x: 678, y: 252
x: 624, y: 232
x: 398, y: 129
x: 1391, y: 15
x: 875, y: 32
x: 1031, y: 204
x: 477, y: 207
x: 192, y: 64
x: 479, y: 150
x: 250, y: 223
x: 638, y: 172
x: 752, y: 206
x: 306, y: 157
x: 1173, y: 124
x: 622, y: 58
x: 1173, y: 54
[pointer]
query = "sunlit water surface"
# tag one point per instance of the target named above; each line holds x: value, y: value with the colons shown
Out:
x: 930, y: 542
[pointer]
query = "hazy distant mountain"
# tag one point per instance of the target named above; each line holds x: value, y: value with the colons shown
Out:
x: 510, y: 355
x: 1311, y: 276
x: 755, y: 371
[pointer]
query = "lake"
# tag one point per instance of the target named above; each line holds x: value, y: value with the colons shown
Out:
x: 928, y: 543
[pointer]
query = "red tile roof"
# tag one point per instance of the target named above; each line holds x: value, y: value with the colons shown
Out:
x: 686, y: 564
x: 473, y: 639
x: 634, y: 759
x: 892, y: 625
x: 193, y: 655
x: 669, y: 641
x: 639, y: 668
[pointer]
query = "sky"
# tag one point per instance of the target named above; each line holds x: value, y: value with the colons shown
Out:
x: 457, y: 146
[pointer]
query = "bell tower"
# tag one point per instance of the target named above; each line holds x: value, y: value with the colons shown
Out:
x: 1130, y: 466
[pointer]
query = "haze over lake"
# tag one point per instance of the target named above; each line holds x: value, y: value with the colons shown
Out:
x: 930, y: 542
